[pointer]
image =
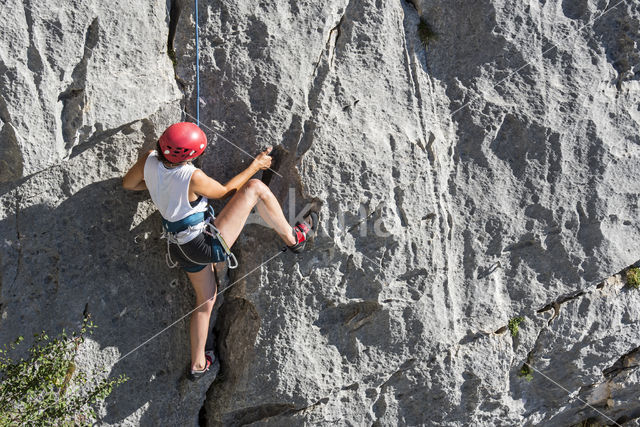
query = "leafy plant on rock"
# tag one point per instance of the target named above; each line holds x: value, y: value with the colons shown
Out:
x: 48, y: 388
x: 526, y: 372
x: 513, y: 325
x: 633, y: 278
x: 426, y: 34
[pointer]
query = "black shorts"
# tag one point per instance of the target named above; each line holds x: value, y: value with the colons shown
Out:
x: 194, y: 255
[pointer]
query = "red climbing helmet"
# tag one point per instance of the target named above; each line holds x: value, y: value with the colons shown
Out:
x: 182, y: 141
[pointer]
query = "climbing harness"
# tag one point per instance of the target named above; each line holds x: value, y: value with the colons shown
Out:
x: 197, y: 222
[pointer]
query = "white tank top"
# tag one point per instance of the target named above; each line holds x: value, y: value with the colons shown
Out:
x: 169, y: 189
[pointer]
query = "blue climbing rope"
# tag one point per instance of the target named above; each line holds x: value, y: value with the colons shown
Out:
x: 197, y: 70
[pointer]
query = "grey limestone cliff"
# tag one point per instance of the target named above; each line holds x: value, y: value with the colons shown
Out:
x: 473, y: 162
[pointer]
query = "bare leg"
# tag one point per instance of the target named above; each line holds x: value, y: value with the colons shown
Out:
x: 234, y: 215
x: 204, y: 284
x: 264, y: 214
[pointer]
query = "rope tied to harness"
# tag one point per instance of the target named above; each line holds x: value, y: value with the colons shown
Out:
x: 197, y: 222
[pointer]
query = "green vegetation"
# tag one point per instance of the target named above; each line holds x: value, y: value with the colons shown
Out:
x: 633, y: 278
x: 513, y: 325
x: 171, y: 52
x: 47, y: 388
x: 526, y: 372
x: 426, y: 34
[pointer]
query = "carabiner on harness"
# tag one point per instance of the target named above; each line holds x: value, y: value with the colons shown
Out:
x: 232, y: 262
x: 193, y: 222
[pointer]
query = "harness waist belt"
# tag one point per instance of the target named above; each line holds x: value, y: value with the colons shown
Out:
x: 184, y: 223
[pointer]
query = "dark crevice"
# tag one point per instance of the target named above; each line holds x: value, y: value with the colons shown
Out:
x: 399, y: 198
x: 4, y: 110
x: 34, y: 59
x: 626, y: 362
x: 337, y: 30
x: 619, y: 34
x: 11, y: 164
x: 18, y: 242
x: 202, y: 415
x: 265, y: 412
x: 259, y: 413
x: 73, y: 98
x: 380, y: 405
x: 100, y: 136
x: 486, y: 272
x: 174, y: 18
x: 35, y: 62
x: 411, y: 3
x: 327, y: 47
x: 322, y: 401
x: 413, y: 62
x: 634, y: 415
x: 557, y: 304
x: 278, y: 154
x: 95, y: 139
x: 236, y: 330
x: 525, y: 370
x: 350, y: 228
x: 320, y: 73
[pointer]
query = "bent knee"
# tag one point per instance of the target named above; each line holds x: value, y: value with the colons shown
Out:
x: 256, y: 186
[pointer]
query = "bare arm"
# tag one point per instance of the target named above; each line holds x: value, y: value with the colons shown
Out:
x: 134, y: 179
x: 210, y: 188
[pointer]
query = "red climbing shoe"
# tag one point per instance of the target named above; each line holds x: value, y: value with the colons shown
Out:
x: 194, y: 374
x: 303, y: 230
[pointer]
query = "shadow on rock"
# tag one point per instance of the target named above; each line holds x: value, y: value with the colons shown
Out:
x: 99, y: 252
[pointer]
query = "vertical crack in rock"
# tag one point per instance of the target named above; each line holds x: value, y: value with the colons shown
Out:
x: 236, y: 331
x: 337, y: 31
x: 526, y: 368
x: 11, y: 165
x: 202, y: 415
x: 331, y: 44
x: 412, y: 69
x: 174, y: 18
x: 380, y: 405
x: 415, y: 64
x: 320, y: 74
x: 34, y: 58
x: 18, y: 242
x: 35, y: 64
x: 175, y: 12
x: 74, y: 98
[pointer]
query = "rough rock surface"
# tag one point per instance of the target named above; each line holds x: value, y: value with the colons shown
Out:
x: 489, y: 175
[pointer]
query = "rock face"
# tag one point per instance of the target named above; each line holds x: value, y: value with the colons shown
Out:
x: 473, y: 163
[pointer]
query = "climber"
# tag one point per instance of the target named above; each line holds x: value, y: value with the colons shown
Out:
x: 196, y: 239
